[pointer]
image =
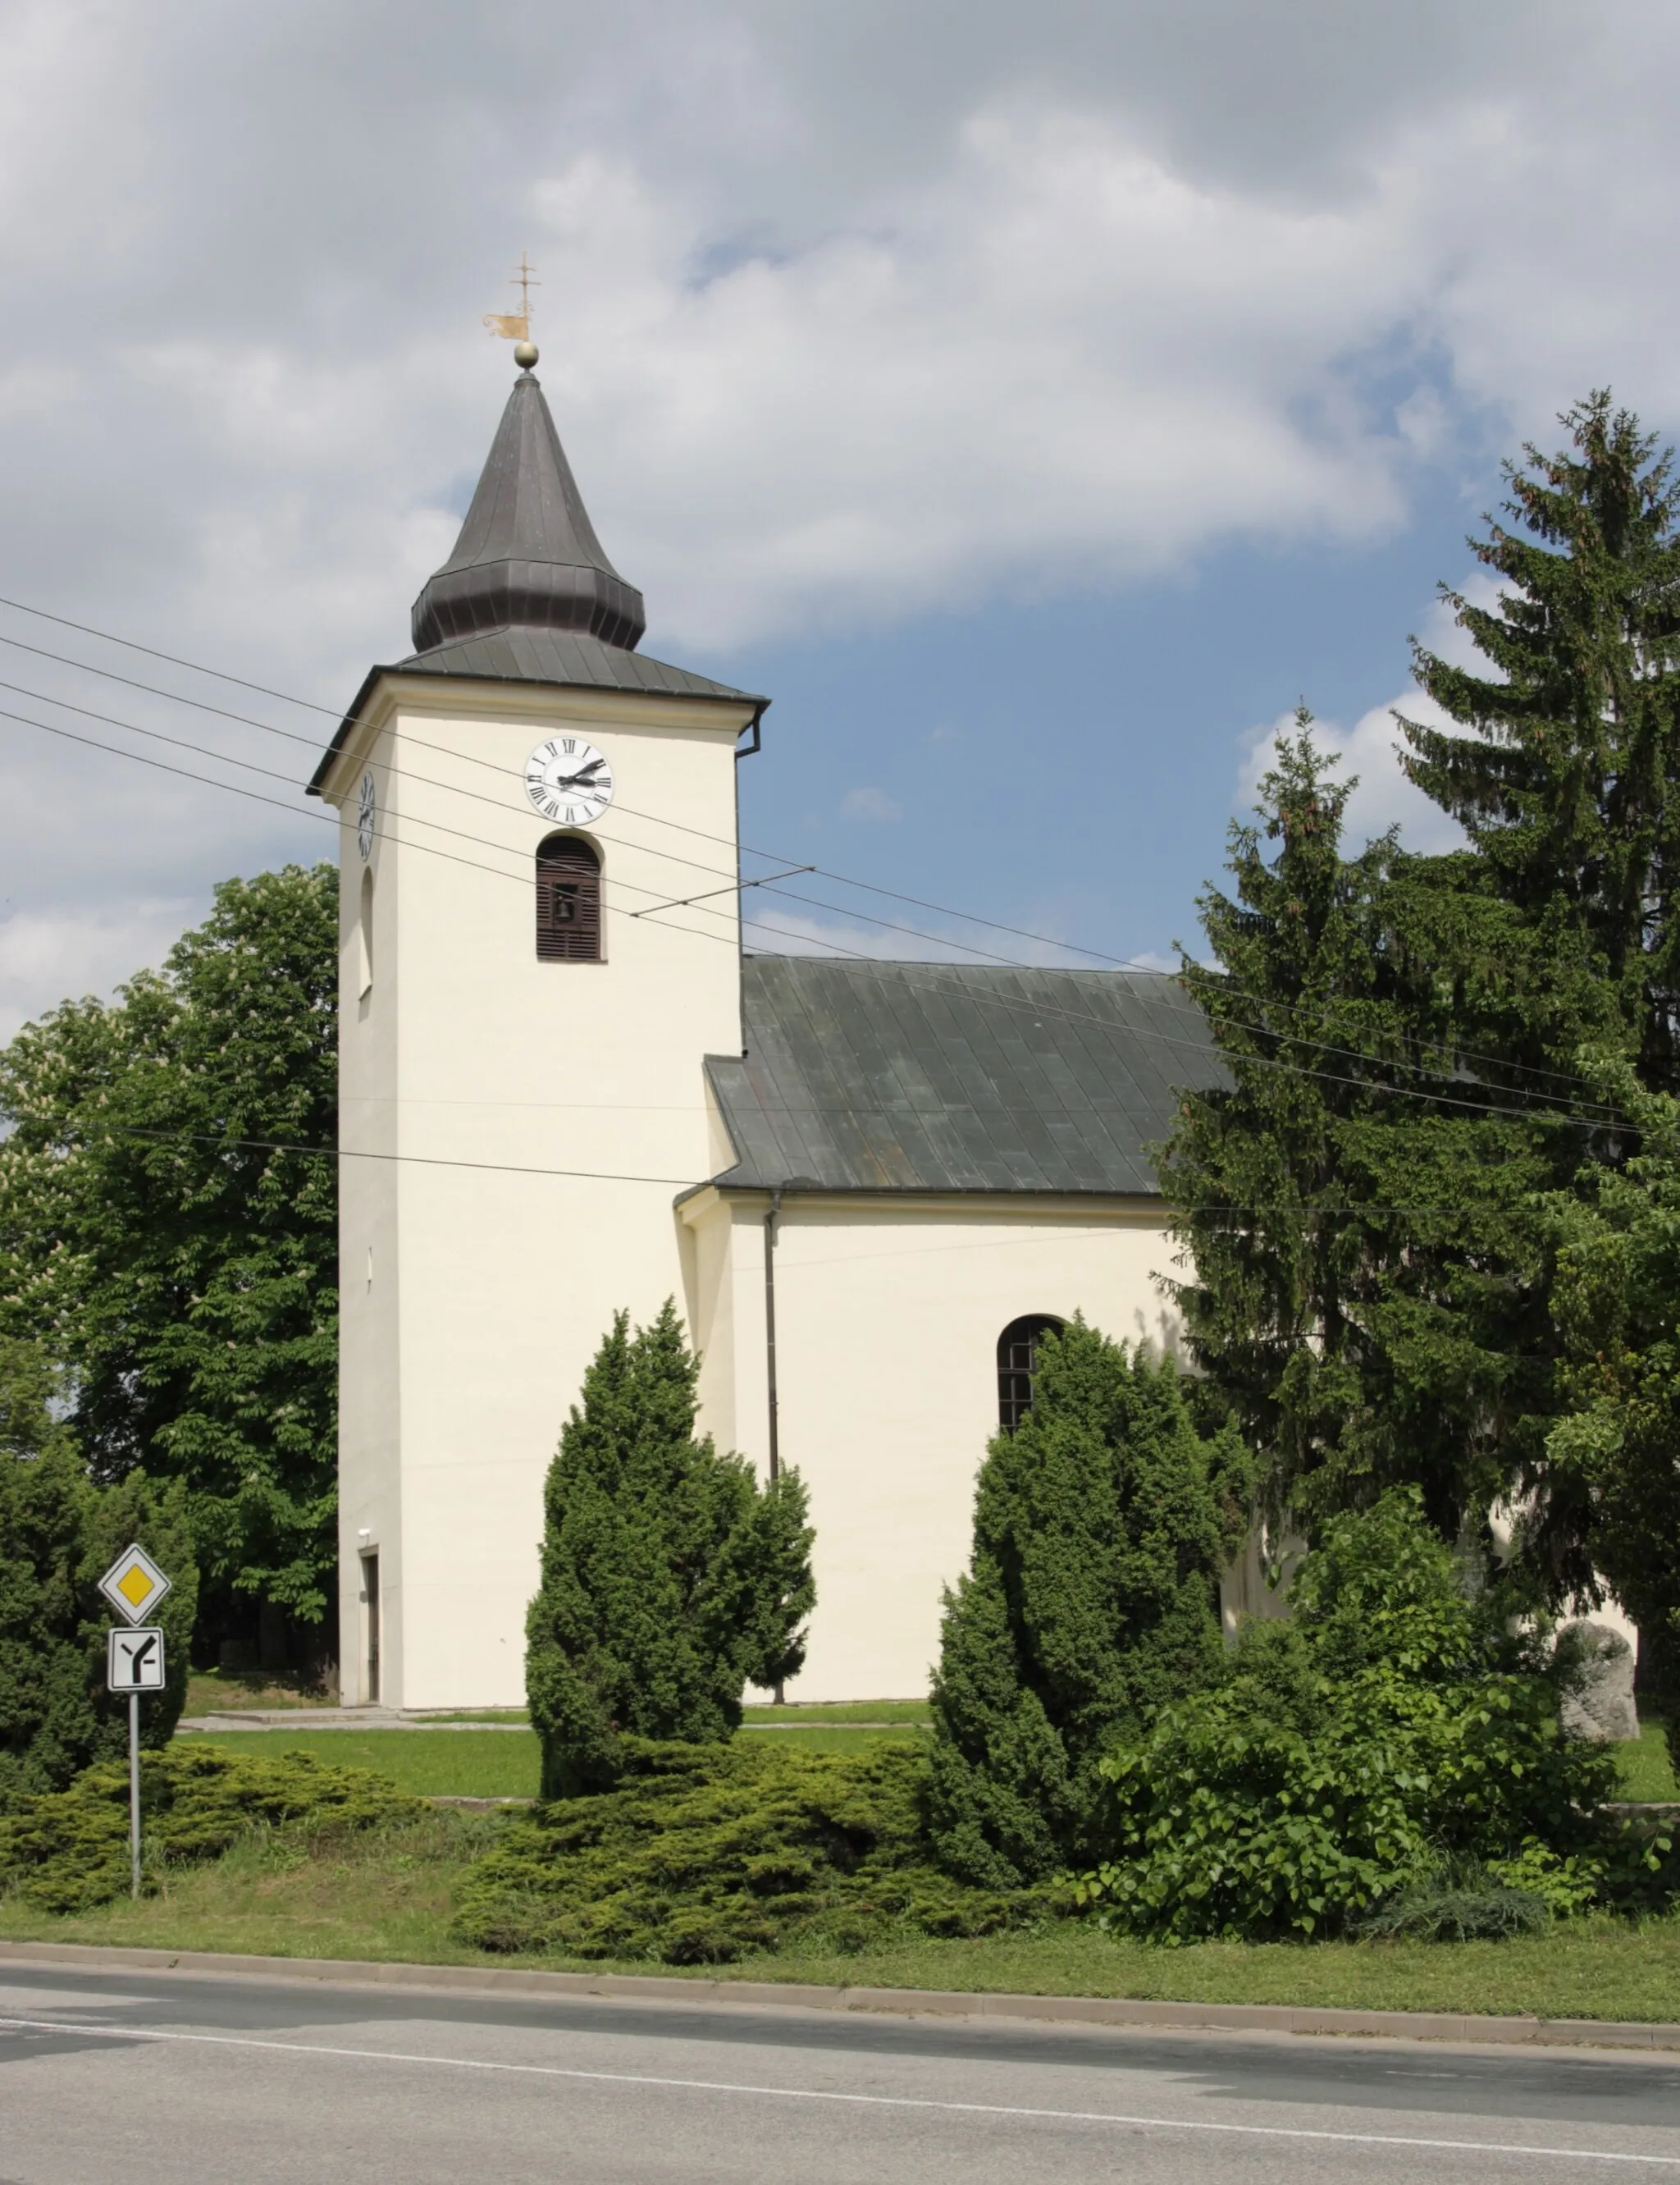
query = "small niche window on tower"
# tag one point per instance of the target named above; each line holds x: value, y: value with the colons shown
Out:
x: 569, y: 901
x: 364, y: 936
x: 1017, y: 1362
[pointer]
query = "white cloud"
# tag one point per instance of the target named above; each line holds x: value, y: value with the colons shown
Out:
x: 870, y: 804
x: 1383, y: 797
x: 72, y: 953
x: 1371, y: 749
x: 848, y: 314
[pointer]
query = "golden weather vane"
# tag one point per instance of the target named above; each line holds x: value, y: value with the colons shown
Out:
x: 515, y: 325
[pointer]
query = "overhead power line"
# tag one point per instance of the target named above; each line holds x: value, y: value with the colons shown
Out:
x: 1562, y: 1077
x: 1038, y: 1007
x: 1602, y: 1112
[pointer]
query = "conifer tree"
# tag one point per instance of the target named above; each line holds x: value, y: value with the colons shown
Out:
x: 1568, y: 782
x: 1368, y: 1292
x: 671, y: 1578
x: 1372, y: 1275
x: 1101, y: 1524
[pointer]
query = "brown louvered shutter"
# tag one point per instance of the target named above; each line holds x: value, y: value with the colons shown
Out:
x: 568, y: 902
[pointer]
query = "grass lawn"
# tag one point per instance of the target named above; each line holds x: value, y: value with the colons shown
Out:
x: 1645, y: 1772
x: 894, y: 1711
x: 389, y: 1895
x: 462, y: 1763
x: 211, y: 1691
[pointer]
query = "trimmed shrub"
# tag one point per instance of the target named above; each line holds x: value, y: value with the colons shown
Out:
x: 1101, y: 1524
x: 1475, y: 1908
x: 58, y: 1535
x: 69, y: 1850
x: 707, y: 1853
x: 1392, y: 1731
x: 671, y: 1579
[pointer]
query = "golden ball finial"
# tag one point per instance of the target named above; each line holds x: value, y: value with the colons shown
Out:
x: 525, y: 355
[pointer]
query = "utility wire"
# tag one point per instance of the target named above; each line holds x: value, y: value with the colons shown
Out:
x: 1038, y: 1008
x: 842, y: 880
x: 221, y: 1139
x: 1603, y: 1112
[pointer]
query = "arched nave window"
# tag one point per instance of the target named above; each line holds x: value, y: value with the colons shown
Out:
x: 1017, y: 1362
x: 569, y: 901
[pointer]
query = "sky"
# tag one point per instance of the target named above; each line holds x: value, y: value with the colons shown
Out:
x: 1036, y: 404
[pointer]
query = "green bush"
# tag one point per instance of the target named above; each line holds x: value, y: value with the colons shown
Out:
x: 707, y: 1853
x: 58, y: 1534
x: 670, y: 1577
x: 1475, y: 1908
x: 1390, y: 1730
x: 69, y: 1849
x: 1101, y: 1524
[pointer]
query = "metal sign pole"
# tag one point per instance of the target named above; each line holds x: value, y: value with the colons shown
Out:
x: 134, y: 1787
x: 134, y: 1663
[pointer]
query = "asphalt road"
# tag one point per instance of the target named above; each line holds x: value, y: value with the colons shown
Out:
x: 107, y: 2079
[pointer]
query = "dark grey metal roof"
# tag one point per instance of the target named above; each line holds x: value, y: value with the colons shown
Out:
x: 527, y: 554
x: 564, y: 657
x: 953, y: 1077
x: 528, y: 595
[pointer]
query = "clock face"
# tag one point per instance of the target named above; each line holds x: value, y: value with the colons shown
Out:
x: 365, y: 818
x: 568, y: 779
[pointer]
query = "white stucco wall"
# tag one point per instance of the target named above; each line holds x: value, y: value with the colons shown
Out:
x: 491, y: 1284
x: 888, y: 1312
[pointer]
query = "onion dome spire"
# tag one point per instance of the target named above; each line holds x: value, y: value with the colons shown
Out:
x: 527, y: 556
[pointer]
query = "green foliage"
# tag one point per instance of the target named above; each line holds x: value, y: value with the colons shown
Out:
x: 1390, y: 1730
x: 704, y: 1853
x: 58, y: 1535
x: 1613, y: 1460
x: 1476, y: 1909
x: 69, y: 1849
x: 1369, y: 1287
x: 670, y: 1577
x: 186, y: 1280
x: 1568, y: 782
x: 1101, y: 1524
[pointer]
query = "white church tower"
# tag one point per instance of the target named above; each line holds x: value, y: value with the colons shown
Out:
x: 523, y: 1020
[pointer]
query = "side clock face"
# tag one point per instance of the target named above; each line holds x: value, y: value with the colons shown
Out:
x: 568, y: 779
x: 364, y: 805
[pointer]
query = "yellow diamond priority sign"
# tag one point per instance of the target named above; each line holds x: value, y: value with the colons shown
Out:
x: 134, y: 1586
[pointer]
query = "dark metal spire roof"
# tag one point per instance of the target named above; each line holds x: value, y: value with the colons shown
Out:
x: 527, y: 556
x: 528, y: 596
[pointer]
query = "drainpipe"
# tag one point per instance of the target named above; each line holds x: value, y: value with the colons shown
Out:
x: 772, y: 1214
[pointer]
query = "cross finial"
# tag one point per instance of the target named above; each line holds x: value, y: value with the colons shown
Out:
x: 515, y: 325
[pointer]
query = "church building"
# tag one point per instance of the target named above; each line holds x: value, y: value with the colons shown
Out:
x: 565, y: 1089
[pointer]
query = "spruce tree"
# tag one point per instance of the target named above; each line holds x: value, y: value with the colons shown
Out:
x: 1101, y: 1524
x: 1568, y: 780
x: 671, y: 1578
x: 1372, y: 1273
x: 1369, y: 1283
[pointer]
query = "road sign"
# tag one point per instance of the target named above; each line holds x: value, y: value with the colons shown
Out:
x: 134, y: 1660
x: 134, y: 1584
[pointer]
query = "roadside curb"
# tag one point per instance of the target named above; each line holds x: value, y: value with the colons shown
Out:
x: 915, y: 2003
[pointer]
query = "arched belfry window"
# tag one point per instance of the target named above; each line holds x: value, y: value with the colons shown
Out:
x: 569, y: 901
x: 1017, y: 1362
